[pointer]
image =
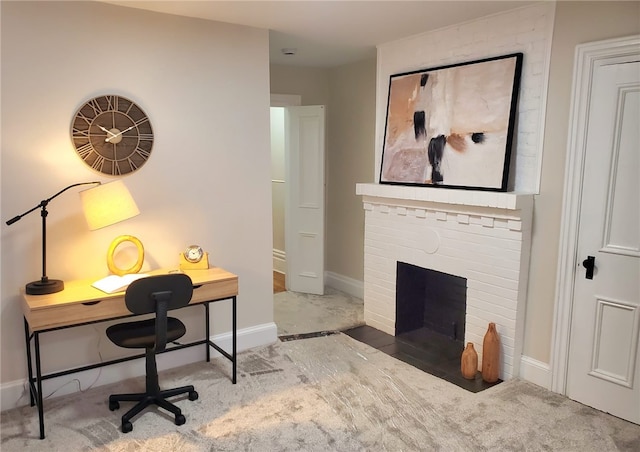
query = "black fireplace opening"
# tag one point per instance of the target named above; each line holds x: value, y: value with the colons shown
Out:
x: 432, y: 301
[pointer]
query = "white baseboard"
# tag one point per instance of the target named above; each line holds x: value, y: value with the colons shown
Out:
x: 15, y: 393
x: 535, y: 371
x: 279, y: 261
x: 345, y: 284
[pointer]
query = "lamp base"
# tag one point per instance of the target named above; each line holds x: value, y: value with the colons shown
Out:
x: 44, y: 287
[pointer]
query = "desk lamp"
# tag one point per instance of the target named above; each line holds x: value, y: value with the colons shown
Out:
x: 45, y: 285
x: 108, y: 204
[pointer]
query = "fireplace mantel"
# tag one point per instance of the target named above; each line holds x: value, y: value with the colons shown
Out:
x: 482, y: 236
x: 470, y: 198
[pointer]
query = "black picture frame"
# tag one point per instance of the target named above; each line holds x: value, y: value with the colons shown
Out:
x: 452, y: 126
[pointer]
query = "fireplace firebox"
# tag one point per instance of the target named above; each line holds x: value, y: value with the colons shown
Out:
x: 430, y: 300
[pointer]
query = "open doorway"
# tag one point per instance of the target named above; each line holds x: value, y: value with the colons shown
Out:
x: 298, y: 174
x: 278, y: 187
x: 297, y: 169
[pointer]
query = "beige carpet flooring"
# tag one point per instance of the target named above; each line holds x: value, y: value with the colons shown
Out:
x: 299, y: 313
x: 329, y: 393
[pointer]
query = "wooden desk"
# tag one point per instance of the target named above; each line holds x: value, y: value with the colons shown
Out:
x: 81, y: 304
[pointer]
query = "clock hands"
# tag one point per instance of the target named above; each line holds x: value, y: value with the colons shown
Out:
x: 108, y: 140
x: 104, y: 129
x: 113, y: 135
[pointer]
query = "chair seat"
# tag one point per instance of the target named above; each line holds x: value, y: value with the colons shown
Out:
x: 142, y: 334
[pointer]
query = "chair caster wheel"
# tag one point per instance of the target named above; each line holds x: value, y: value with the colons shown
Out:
x: 180, y: 419
x: 127, y: 427
x: 193, y: 395
x: 114, y: 405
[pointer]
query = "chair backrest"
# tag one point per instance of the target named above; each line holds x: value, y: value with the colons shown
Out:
x: 144, y: 295
x: 159, y: 294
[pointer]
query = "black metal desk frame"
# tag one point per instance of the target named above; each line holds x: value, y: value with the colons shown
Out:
x: 35, y: 382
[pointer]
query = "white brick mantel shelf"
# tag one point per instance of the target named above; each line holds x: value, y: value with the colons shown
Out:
x: 469, y: 198
x: 482, y: 236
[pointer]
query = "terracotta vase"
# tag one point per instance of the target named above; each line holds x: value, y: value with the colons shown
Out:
x: 469, y: 362
x: 491, y: 355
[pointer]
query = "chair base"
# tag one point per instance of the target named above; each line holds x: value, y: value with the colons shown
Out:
x: 145, y: 399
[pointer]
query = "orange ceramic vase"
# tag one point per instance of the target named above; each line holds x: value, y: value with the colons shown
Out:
x: 491, y: 355
x: 469, y: 362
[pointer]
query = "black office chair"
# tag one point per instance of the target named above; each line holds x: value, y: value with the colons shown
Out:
x: 158, y: 294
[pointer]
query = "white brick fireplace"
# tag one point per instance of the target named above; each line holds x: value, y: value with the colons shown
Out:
x: 478, y: 235
x: 481, y: 236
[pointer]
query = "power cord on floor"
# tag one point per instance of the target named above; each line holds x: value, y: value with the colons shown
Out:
x: 77, y: 380
x: 26, y: 390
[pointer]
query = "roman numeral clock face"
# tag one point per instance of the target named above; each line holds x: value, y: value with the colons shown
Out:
x: 112, y: 135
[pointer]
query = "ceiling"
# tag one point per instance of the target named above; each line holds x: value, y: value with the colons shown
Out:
x: 331, y: 32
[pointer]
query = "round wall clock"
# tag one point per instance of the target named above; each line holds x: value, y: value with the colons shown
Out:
x: 112, y: 135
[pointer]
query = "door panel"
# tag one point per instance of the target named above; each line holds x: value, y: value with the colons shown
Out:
x: 604, y: 368
x: 304, y: 204
x: 622, y: 228
x: 616, y: 329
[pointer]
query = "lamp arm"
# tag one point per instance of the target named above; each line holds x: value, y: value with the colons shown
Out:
x: 43, y: 204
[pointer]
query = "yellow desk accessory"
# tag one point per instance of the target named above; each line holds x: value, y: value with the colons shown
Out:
x: 194, y: 258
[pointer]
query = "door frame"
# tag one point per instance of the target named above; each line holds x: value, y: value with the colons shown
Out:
x: 588, y: 57
x: 286, y: 100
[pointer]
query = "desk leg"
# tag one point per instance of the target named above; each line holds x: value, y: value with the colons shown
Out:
x: 36, y: 336
x: 234, y: 334
x: 207, y: 330
x: 27, y: 342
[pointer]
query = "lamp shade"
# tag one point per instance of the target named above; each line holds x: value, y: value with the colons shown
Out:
x: 107, y: 204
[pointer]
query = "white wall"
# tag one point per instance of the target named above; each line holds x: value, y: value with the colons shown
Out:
x: 351, y: 125
x: 205, y: 88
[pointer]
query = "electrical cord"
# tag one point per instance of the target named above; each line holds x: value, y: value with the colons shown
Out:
x: 25, y: 387
x: 76, y: 379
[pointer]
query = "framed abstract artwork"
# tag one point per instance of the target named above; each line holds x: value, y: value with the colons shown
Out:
x: 452, y: 126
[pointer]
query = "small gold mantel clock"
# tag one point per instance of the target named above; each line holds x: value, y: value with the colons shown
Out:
x: 194, y: 258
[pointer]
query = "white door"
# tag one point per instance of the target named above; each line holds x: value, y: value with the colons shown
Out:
x: 604, y: 361
x: 304, y: 200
